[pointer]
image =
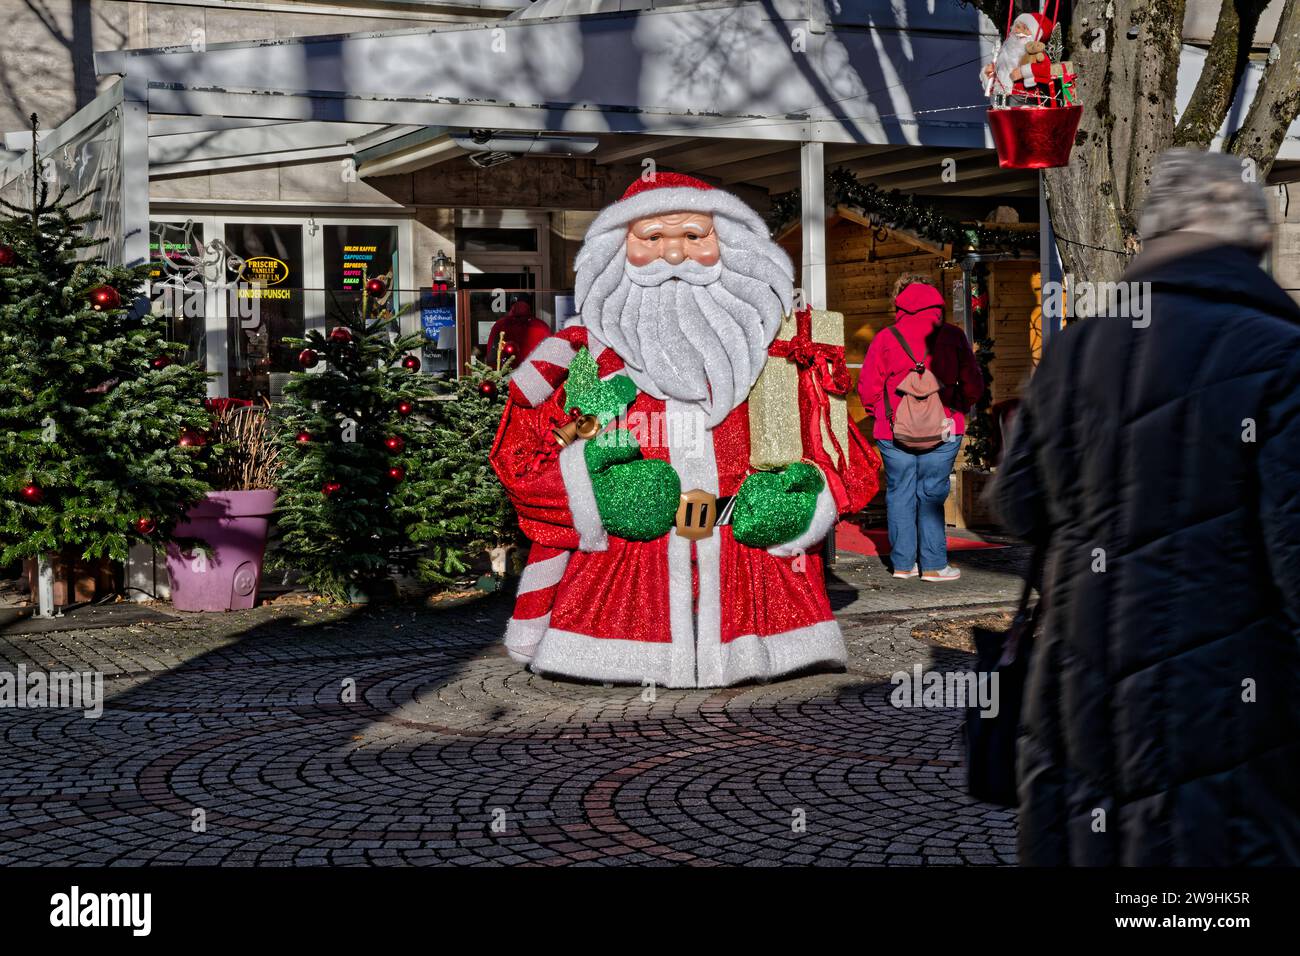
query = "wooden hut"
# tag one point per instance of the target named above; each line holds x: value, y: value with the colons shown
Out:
x: 863, y: 261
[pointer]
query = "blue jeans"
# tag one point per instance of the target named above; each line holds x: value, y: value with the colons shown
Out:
x: 916, y: 486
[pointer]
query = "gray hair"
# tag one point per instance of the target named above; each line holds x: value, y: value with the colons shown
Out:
x: 1194, y: 191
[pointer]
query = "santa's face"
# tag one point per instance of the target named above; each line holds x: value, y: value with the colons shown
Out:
x: 673, y: 237
x: 690, y: 306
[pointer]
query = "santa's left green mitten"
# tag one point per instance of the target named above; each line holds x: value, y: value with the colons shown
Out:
x: 773, y: 507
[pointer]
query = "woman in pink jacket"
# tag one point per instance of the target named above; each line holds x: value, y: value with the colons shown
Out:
x: 917, y: 482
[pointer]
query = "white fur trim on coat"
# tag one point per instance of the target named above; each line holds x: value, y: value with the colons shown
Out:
x: 748, y: 658
x: 824, y: 517
x: 582, y: 498
x: 523, y: 635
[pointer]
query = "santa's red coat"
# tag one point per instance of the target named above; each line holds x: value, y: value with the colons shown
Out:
x: 670, y: 611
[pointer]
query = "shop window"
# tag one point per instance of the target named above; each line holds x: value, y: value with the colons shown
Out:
x: 178, y: 284
x: 354, y: 254
x: 265, y: 306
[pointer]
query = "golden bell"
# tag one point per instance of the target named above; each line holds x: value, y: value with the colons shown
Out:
x: 565, y: 434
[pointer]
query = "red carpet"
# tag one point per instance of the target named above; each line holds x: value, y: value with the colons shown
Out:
x: 849, y: 537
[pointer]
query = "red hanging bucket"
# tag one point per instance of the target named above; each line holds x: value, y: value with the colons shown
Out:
x: 1034, y: 137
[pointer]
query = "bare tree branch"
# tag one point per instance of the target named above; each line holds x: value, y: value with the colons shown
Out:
x: 1225, y: 65
x: 1277, y: 100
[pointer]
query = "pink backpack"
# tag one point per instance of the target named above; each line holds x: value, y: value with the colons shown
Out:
x: 921, y: 422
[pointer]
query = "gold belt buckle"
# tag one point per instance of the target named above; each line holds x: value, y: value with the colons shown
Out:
x: 697, y: 513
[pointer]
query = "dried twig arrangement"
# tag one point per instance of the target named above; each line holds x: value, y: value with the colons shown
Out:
x: 247, y: 457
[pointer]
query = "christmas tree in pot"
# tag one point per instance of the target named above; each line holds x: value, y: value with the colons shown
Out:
x: 349, y: 424
x: 94, y: 406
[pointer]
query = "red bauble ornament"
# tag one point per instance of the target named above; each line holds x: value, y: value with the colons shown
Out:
x: 304, y: 438
x: 331, y: 488
x: 104, y: 297
x: 411, y: 363
x: 508, y: 349
x: 308, y: 358
x: 397, y: 473
x: 395, y: 443
x: 487, y: 389
x: 192, y: 438
x: 376, y: 287
x: 405, y: 408
x: 162, y: 361
x: 342, y: 334
x: 33, y: 494
x: 146, y: 525
x: 7, y: 255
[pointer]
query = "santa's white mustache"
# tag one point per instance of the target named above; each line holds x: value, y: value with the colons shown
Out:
x: 661, y: 270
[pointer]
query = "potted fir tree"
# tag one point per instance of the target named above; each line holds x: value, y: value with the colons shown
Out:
x: 465, y: 519
x: 215, y: 558
x: 351, y: 488
x: 92, y: 403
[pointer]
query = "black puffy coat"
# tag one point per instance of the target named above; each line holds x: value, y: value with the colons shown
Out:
x: 1162, y: 467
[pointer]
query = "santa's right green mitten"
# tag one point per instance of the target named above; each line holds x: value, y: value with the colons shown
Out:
x: 637, y: 497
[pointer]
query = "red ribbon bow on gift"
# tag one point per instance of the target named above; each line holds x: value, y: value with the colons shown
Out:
x: 825, y: 360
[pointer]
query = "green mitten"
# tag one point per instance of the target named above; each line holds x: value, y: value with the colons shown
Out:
x: 637, y: 497
x: 774, y: 507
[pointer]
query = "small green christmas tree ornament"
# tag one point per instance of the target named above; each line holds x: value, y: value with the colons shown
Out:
x: 464, y: 511
x: 350, y: 436
x: 93, y: 398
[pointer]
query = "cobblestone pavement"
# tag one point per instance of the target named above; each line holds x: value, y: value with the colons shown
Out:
x: 450, y: 753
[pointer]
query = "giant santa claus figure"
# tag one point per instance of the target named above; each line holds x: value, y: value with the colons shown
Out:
x: 659, y: 554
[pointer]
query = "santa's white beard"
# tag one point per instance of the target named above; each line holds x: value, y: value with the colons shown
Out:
x: 1009, y: 56
x: 697, y: 334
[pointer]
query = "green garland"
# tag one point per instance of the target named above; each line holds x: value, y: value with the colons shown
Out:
x: 897, y: 210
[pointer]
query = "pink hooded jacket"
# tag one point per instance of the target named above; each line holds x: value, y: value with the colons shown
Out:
x: 920, y: 319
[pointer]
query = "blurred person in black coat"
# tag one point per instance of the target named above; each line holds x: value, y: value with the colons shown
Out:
x: 1156, y: 458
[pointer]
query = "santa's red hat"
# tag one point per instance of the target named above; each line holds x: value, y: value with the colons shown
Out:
x: 661, y: 192
x: 1040, y: 26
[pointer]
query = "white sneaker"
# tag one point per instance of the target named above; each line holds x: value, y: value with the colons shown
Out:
x: 906, y: 574
x: 945, y: 573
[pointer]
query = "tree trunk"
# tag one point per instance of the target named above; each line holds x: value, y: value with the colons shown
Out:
x: 1126, y: 54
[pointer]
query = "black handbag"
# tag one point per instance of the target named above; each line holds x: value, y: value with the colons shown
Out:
x: 991, y: 741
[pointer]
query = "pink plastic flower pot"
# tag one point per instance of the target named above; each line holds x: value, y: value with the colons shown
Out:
x: 234, y: 524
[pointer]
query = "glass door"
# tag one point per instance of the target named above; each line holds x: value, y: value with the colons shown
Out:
x: 178, y: 284
x: 265, y: 304
x: 502, y: 259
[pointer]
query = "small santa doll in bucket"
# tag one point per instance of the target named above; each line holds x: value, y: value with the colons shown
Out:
x: 1012, y: 79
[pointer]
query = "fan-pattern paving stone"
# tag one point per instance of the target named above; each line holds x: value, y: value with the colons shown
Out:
x: 307, y: 736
